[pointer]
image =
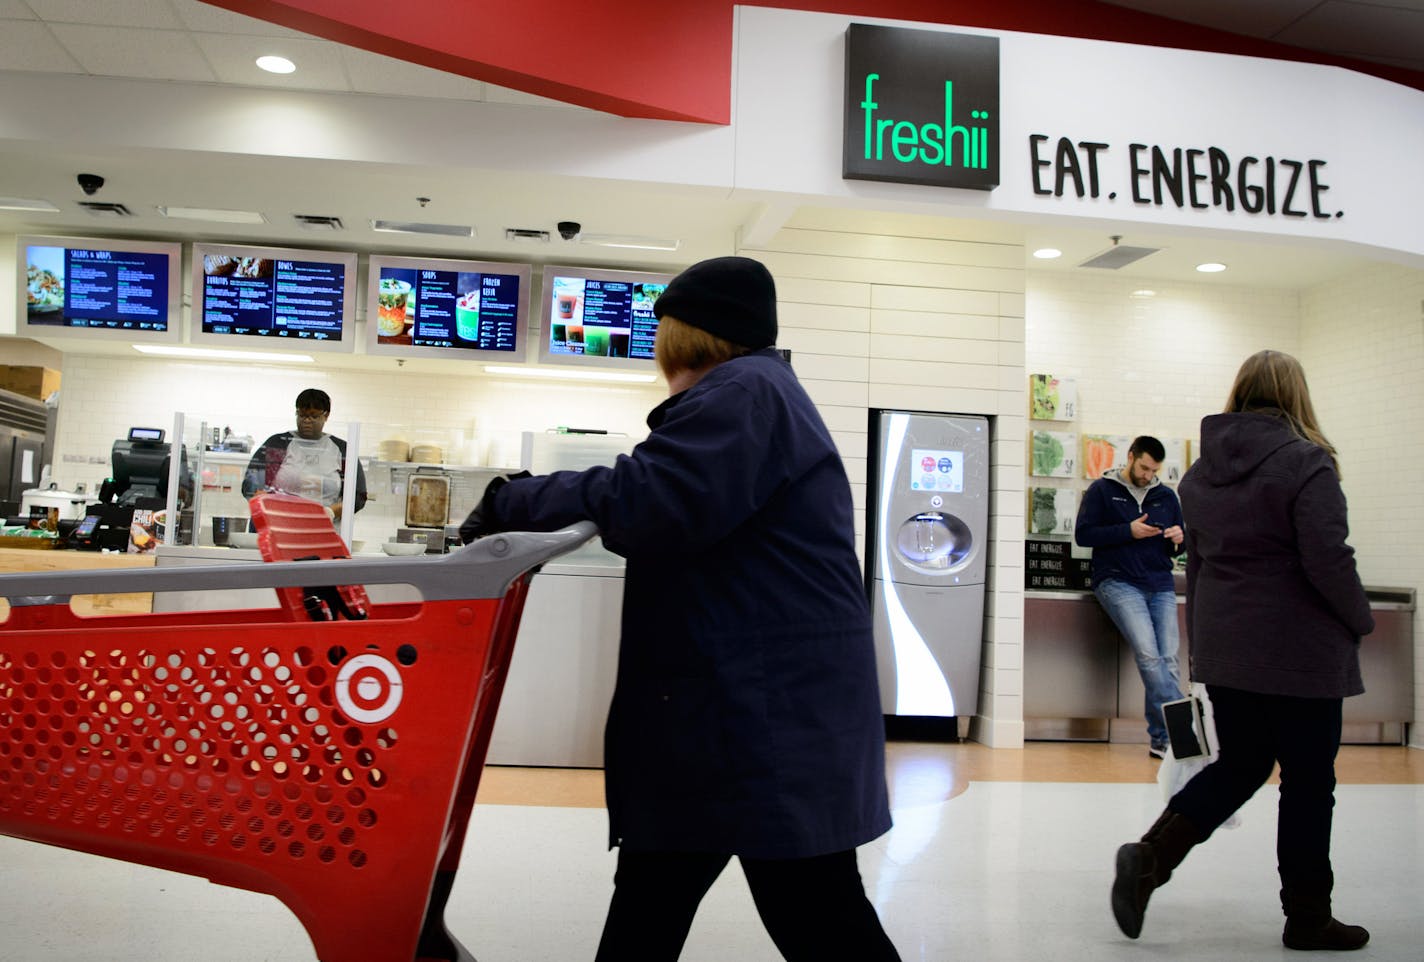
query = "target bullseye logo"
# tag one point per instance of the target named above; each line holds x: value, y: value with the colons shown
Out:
x: 368, y: 689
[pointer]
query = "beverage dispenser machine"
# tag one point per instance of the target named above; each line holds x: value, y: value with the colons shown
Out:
x: 926, y: 559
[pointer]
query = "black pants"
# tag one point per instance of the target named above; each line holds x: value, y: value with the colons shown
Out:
x: 815, y: 909
x: 1255, y: 732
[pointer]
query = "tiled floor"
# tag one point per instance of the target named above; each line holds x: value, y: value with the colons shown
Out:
x: 987, y: 861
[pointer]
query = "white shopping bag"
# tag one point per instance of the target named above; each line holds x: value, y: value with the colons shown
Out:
x: 1174, y: 773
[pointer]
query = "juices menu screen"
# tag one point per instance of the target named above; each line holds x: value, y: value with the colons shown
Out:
x: 602, y: 317
x: 96, y: 288
x: 460, y: 310
x: 273, y: 297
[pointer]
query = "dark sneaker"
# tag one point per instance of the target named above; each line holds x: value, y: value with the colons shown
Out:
x: 1157, y: 751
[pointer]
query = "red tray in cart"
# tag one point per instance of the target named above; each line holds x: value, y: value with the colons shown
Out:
x: 332, y: 764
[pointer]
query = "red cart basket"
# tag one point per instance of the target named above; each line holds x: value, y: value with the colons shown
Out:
x: 332, y: 764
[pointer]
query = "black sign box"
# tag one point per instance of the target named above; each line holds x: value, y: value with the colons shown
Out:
x: 921, y: 107
x: 1050, y: 566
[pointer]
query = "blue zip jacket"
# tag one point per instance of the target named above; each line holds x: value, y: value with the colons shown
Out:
x: 1104, y: 524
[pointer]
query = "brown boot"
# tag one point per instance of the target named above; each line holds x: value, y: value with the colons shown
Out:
x: 1145, y: 865
x: 1305, y: 899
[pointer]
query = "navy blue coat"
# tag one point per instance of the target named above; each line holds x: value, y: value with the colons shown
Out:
x: 1104, y: 524
x: 746, y: 717
x: 1274, y: 603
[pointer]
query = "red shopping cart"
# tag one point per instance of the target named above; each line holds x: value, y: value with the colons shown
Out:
x: 332, y: 764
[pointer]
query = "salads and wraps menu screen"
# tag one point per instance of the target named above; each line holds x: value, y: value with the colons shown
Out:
x: 94, y: 288
x: 272, y: 297
x: 460, y: 310
x: 602, y: 318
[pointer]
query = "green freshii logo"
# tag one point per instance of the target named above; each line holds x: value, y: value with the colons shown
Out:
x: 921, y: 107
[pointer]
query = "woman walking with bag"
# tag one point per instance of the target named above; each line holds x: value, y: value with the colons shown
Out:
x: 1275, y: 613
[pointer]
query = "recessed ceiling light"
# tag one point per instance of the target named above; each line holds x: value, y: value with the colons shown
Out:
x: 214, y: 214
x: 415, y: 227
x: 216, y: 355
x: 1211, y: 267
x: 570, y: 375
x: 1047, y: 253
x: 1144, y: 292
x: 25, y: 203
x: 276, y: 64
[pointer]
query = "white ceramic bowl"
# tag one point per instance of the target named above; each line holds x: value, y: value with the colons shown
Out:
x: 242, y: 539
x: 398, y: 549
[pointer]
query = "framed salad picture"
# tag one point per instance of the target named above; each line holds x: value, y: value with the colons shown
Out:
x: 1103, y: 453
x: 1052, y: 454
x: 1052, y: 398
x: 1052, y: 510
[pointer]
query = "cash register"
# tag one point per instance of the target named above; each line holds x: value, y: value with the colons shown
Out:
x: 141, y: 464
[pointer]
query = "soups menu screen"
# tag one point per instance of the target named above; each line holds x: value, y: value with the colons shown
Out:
x: 273, y: 297
x: 95, y: 288
x: 602, y: 317
x: 460, y: 310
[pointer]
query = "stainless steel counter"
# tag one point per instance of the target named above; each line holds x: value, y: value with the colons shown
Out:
x: 1080, y: 680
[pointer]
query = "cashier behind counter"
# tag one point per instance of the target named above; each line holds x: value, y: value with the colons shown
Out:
x: 306, y: 462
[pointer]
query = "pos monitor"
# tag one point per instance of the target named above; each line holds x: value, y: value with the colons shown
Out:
x: 99, y: 289
x: 244, y: 297
x: 599, y: 319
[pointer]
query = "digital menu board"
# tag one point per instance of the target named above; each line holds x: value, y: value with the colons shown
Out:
x: 428, y: 307
x: 301, y: 297
x: 90, y: 287
x: 599, y: 318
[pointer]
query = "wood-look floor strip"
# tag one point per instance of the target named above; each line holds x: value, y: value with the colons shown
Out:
x: 923, y: 772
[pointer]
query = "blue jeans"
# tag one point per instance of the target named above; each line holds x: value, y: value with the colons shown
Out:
x: 1148, y: 620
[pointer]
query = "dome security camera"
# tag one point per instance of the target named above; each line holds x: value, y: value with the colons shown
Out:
x: 569, y: 229
x: 90, y: 183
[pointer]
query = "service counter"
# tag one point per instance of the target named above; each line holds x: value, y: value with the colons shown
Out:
x: 57, y: 559
x: 565, y: 655
x: 1081, y: 683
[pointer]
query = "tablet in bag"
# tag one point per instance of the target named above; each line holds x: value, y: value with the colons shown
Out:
x: 1185, y: 728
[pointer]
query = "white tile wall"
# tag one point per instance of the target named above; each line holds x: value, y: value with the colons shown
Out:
x: 1362, y: 344
x: 104, y: 396
x: 899, y: 312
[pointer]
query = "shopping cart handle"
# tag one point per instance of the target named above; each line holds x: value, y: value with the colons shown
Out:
x: 482, y: 569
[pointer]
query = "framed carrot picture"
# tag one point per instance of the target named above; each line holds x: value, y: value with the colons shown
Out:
x: 1103, y: 453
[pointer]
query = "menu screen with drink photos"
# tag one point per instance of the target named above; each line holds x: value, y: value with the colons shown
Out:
x: 298, y: 296
x: 421, y: 306
x: 600, y: 318
x: 460, y: 310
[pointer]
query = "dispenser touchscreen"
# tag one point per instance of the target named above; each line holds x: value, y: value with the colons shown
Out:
x: 933, y: 470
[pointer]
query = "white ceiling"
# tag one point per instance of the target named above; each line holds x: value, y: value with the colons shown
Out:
x: 206, y: 45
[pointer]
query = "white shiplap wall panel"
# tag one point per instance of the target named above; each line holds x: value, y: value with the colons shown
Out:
x: 931, y: 300
x: 940, y: 349
x: 937, y: 343
x: 821, y: 317
x: 934, y: 324
x: 808, y: 341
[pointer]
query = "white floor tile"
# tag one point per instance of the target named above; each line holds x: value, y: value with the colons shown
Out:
x: 1006, y: 872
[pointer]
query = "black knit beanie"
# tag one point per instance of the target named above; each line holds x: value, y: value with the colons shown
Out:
x: 731, y: 297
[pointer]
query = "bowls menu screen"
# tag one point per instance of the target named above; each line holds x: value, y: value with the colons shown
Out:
x: 97, y: 288
x: 460, y: 310
x: 294, y: 296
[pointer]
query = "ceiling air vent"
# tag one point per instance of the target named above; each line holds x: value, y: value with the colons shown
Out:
x: 414, y: 227
x: 317, y: 222
x: 526, y: 235
x: 102, y: 209
x: 1118, y: 257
